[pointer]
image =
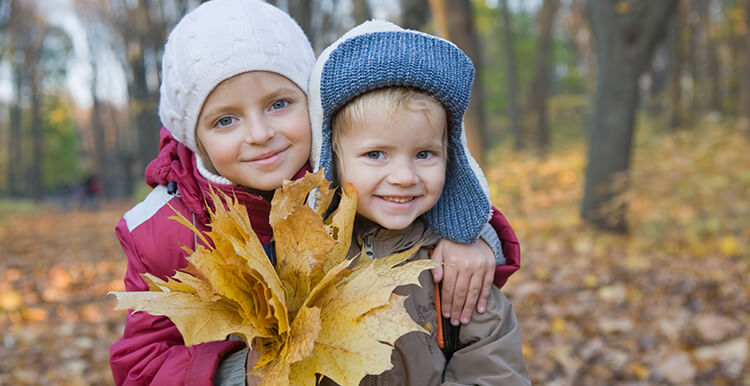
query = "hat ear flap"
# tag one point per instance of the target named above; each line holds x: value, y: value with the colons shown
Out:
x: 473, y: 164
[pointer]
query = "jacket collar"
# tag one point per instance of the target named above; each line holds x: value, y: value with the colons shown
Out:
x: 384, y: 242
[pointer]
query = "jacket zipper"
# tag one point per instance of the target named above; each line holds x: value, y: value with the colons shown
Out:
x: 368, y: 246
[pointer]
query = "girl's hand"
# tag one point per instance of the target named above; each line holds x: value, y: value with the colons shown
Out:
x: 466, y: 274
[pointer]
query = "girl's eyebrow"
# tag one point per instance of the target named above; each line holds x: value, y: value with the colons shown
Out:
x: 283, y: 90
x: 210, y: 114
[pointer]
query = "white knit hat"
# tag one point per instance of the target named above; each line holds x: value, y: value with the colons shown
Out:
x: 221, y: 39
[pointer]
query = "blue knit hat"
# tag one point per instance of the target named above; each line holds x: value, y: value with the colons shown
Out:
x: 379, y: 54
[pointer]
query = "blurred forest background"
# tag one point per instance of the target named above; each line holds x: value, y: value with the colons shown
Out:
x: 615, y: 136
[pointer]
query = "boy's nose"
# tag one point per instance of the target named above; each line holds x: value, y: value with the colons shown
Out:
x: 403, y: 174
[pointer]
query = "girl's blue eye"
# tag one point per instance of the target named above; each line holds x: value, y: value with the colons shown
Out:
x: 374, y: 154
x: 225, y: 121
x: 280, y: 104
x: 424, y: 154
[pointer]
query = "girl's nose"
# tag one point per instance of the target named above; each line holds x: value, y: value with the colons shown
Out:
x: 258, y: 131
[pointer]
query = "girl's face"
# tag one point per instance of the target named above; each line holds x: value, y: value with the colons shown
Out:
x: 254, y: 129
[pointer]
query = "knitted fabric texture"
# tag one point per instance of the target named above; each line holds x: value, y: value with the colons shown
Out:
x: 221, y: 39
x: 373, y: 60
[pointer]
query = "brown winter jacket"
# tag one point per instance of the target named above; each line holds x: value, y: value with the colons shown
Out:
x: 490, y: 350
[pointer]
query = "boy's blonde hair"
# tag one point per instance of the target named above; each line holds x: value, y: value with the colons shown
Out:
x: 393, y: 100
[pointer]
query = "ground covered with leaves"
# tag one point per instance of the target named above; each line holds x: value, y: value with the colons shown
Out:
x: 56, y: 319
x: 668, y: 304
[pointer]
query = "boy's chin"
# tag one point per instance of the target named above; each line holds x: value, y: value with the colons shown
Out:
x: 395, y: 224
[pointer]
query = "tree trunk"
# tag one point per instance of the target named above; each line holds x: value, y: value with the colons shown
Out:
x: 674, y: 40
x: 361, y: 11
x: 141, y: 106
x: 511, y: 77
x: 100, y: 146
x: 454, y: 21
x: 744, y: 77
x: 625, y: 35
x: 414, y: 14
x: 15, y: 162
x: 537, y: 97
x: 301, y: 11
x: 37, y: 138
x: 18, y: 38
x: 713, y: 61
x: 143, y: 32
x: 691, y: 51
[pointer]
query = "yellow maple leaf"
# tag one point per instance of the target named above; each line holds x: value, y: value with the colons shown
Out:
x: 315, y: 313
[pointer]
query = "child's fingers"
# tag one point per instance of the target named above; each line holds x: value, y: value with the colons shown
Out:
x: 459, y: 297
x: 449, y: 283
x: 437, y: 256
x: 475, y: 289
x: 486, y: 289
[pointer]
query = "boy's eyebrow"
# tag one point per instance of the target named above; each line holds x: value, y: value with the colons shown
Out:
x: 387, y: 144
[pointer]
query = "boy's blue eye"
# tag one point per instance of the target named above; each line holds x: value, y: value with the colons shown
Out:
x: 279, y: 104
x: 424, y: 154
x: 225, y: 121
x: 374, y: 154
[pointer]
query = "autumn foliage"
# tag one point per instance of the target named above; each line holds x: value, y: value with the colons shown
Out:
x: 316, y: 312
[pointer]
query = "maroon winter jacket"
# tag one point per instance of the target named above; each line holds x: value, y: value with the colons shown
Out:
x: 151, y: 350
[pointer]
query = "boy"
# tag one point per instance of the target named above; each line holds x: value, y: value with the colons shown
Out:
x: 389, y: 105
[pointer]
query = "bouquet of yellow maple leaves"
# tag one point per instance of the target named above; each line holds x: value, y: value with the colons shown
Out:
x: 316, y: 312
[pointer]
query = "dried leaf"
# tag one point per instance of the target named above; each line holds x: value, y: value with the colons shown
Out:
x: 198, y: 321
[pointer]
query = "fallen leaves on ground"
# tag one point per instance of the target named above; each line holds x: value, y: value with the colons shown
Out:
x: 56, y: 321
x: 668, y: 304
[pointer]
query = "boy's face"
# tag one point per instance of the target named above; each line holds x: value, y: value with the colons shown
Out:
x: 396, y: 163
x: 255, y: 129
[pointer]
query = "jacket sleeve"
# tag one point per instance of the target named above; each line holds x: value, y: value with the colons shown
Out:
x: 492, y: 348
x: 151, y: 350
x: 511, y: 248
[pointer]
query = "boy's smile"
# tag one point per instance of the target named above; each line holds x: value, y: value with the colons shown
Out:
x: 396, y: 162
x: 255, y: 130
